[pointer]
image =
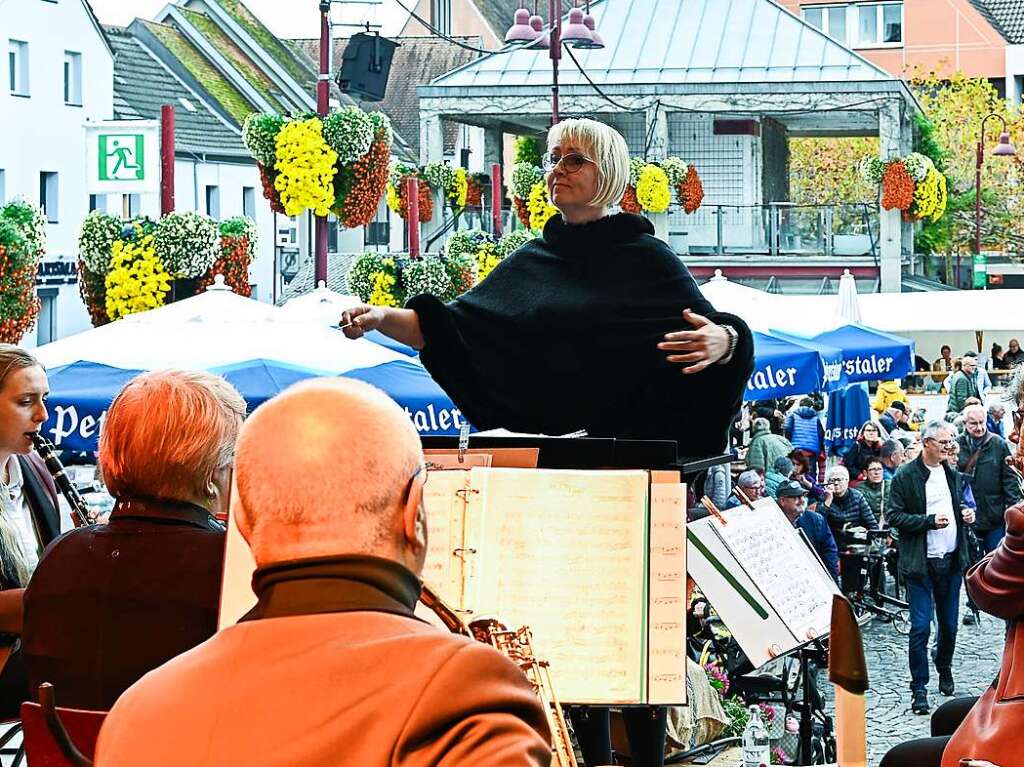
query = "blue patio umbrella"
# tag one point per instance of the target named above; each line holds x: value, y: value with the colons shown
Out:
x: 389, y: 343
x: 783, y: 367
x: 409, y: 384
x: 870, y: 355
x: 848, y: 410
x: 81, y: 393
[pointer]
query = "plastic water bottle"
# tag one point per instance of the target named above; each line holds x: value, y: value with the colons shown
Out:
x: 756, y: 750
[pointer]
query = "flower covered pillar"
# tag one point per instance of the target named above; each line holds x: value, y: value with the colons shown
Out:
x: 891, y: 224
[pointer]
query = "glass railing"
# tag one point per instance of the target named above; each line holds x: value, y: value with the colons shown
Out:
x: 779, y: 228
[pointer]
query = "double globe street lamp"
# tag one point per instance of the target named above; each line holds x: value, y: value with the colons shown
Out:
x: 580, y: 32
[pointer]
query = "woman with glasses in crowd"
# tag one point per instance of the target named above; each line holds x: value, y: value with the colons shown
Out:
x: 580, y: 329
x: 867, y: 446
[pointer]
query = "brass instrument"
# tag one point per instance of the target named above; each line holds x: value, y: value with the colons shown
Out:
x: 517, y: 646
x: 81, y: 514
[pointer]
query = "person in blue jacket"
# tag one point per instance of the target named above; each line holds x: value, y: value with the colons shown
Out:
x: 792, y: 498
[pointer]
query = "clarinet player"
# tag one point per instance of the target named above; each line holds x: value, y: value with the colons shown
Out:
x: 29, y: 516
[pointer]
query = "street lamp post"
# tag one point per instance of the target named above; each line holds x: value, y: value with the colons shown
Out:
x: 1003, y: 149
x: 580, y: 32
x: 322, y: 105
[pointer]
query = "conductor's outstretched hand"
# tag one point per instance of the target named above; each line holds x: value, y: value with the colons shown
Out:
x: 359, y: 320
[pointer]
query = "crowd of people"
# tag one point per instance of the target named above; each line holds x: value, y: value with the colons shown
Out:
x: 942, y: 492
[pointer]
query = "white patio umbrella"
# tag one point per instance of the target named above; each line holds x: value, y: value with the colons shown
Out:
x: 321, y: 305
x: 217, y: 302
x: 848, y: 306
x: 203, y: 343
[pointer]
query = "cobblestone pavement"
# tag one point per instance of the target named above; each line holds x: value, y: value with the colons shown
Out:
x: 890, y: 721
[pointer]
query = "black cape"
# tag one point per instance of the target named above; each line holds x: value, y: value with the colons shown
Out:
x: 563, y: 336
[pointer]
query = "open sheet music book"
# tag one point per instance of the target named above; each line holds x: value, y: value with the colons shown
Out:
x: 768, y: 586
x: 592, y: 561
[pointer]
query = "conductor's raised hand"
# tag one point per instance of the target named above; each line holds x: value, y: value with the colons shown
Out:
x: 359, y: 320
x: 699, y: 348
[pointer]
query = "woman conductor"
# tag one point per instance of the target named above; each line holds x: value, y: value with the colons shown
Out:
x: 578, y: 330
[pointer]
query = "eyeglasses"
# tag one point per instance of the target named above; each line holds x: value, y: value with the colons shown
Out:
x: 570, y: 163
x: 942, y: 442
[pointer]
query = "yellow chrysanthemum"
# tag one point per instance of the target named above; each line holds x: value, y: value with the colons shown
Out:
x: 305, y: 168
x: 394, y: 201
x: 652, y: 190
x: 539, y: 205
x: 459, y: 188
x: 137, y: 280
x: 486, y: 259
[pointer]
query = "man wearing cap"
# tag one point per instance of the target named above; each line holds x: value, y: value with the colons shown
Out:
x: 792, y: 499
x: 895, y: 417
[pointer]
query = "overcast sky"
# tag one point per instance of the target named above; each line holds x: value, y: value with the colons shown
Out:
x: 291, y: 18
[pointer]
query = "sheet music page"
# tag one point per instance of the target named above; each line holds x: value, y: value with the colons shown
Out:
x: 565, y: 553
x: 666, y: 651
x: 445, y: 509
x: 784, y: 569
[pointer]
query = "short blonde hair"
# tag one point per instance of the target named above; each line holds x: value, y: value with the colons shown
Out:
x: 167, y: 432
x: 322, y: 470
x: 605, y: 146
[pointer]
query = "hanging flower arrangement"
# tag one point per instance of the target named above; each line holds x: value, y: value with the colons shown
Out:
x: 911, y: 184
x: 629, y: 202
x: 476, y: 183
x: 136, y: 258
x: 469, y: 257
x: 426, y: 275
x: 539, y: 205
x: 459, y: 191
x: 334, y: 164
x: 96, y: 238
x: 22, y: 242
x: 305, y: 167
x: 360, y: 186
x: 652, y: 190
x: 897, y: 187
x: 349, y: 132
x: 691, y: 192
x: 187, y: 243
x: 269, y: 192
x: 138, y: 280
x: 237, y: 249
x: 525, y: 176
x: 93, y: 289
x: 653, y: 185
x: 396, y: 192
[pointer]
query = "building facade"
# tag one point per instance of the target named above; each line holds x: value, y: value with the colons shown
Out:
x: 981, y: 38
x: 57, y: 75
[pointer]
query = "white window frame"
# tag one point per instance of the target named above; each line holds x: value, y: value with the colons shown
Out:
x: 249, y: 202
x: 826, y: 11
x: 17, y: 62
x: 73, y: 78
x: 211, y: 200
x: 49, y: 197
x: 852, y: 37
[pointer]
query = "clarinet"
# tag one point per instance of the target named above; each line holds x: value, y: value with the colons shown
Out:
x: 79, y: 508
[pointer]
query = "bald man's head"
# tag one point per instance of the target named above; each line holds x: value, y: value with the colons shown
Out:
x: 327, y: 468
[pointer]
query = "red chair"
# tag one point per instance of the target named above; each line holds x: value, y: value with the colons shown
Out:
x: 59, y: 737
